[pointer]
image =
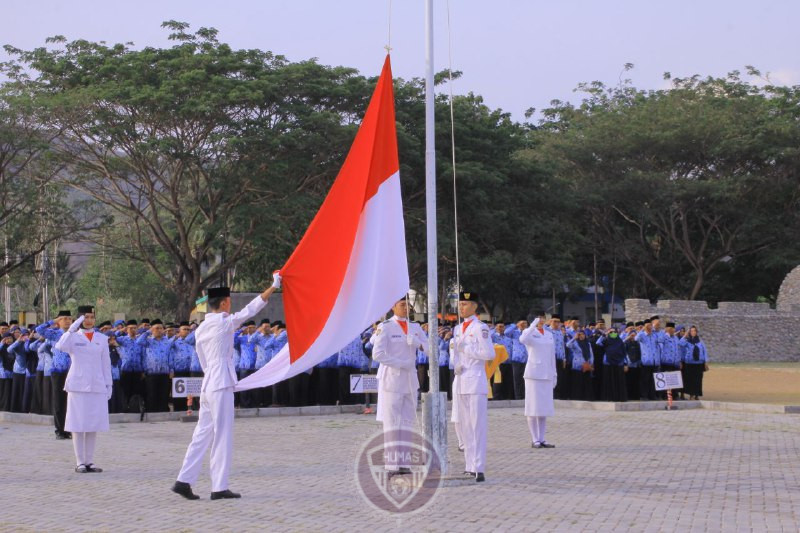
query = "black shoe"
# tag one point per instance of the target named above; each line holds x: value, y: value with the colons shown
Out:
x: 91, y: 468
x: 185, y: 490
x: 67, y: 435
x: 224, y: 494
x: 461, y: 448
x: 81, y: 469
x: 546, y: 445
x: 479, y: 477
x: 61, y: 436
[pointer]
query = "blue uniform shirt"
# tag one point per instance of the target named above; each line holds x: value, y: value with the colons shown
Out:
x: 20, y: 356
x: 247, y: 351
x: 688, y: 352
x: 61, y: 360
x: 444, y: 352
x: 352, y: 355
x: 155, y: 354
x: 130, y: 354
x: 46, y: 354
x: 505, y: 341
x: 649, y: 346
x: 518, y: 352
x: 181, y: 353
x: 577, y: 353
x: 264, y: 345
x: 558, y: 342
x: 669, y: 352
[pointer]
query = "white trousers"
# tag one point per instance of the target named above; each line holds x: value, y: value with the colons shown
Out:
x: 215, y: 428
x: 472, y: 421
x: 399, y: 418
x: 538, y: 426
x: 83, y: 442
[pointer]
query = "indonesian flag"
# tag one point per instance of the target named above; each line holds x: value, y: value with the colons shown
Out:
x: 350, y: 267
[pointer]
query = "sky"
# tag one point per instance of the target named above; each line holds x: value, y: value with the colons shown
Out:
x: 517, y: 54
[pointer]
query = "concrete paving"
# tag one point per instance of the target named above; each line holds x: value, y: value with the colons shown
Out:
x: 687, y: 470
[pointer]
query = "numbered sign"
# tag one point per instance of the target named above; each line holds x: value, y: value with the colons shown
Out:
x: 668, y: 380
x: 183, y: 387
x: 361, y: 383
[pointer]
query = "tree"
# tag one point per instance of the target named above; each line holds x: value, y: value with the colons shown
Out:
x: 676, y: 183
x: 179, y: 145
x: 34, y: 208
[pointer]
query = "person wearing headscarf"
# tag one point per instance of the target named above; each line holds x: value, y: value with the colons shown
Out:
x: 581, y: 386
x: 695, y: 362
x: 616, y: 366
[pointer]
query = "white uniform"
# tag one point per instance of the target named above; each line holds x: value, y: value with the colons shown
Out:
x: 214, y: 345
x: 470, y: 349
x: 540, y: 372
x: 88, y: 381
x: 398, y: 383
x: 88, y: 385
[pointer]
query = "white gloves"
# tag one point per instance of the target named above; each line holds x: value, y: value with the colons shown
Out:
x: 276, y: 279
x: 458, y: 369
x: 77, y: 324
x: 108, y: 392
x: 535, y: 322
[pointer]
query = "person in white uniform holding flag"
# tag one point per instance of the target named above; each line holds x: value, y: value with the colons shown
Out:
x: 88, y: 385
x: 395, y: 346
x: 214, y: 345
x: 470, y: 349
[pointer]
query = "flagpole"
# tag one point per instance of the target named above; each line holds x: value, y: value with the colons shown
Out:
x: 434, y: 404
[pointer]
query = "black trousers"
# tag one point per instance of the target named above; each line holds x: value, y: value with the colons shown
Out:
x: 298, y: 390
x: 518, y: 372
x: 444, y: 381
x: 27, y: 393
x: 132, y: 383
x: 632, y: 382
x: 507, y: 385
x: 17, y: 390
x: 598, y: 380
x: 117, y: 402
x: 614, y: 384
x: 5, y: 394
x: 179, y: 404
x: 581, y: 386
x: 38, y: 393
x: 327, y: 385
x: 59, y: 400
x: 422, y: 375
x: 280, y: 394
x: 47, y: 395
x: 563, y: 385
x: 647, y: 386
x: 157, y: 389
x: 345, y: 398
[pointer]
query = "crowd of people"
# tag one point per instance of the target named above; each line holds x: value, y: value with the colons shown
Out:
x: 594, y: 362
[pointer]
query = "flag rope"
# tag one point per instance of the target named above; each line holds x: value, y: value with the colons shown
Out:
x: 453, y: 152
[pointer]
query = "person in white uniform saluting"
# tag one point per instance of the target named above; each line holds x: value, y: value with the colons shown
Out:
x: 470, y: 349
x: 214, y: 345
x: 540, y: 379
x: 395, y: 347
x: 88, y: 386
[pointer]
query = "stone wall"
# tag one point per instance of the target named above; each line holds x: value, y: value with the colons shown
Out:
x: 735, y: 331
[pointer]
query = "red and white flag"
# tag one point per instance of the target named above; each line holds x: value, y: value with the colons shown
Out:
x: 350, y: 267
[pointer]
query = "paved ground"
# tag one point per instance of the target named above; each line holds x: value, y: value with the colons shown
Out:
x: 696, y: 470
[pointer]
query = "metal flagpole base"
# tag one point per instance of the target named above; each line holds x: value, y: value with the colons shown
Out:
x: 434, y: 424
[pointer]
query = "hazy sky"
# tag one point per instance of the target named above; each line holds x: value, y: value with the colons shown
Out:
x: 516, y: 53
